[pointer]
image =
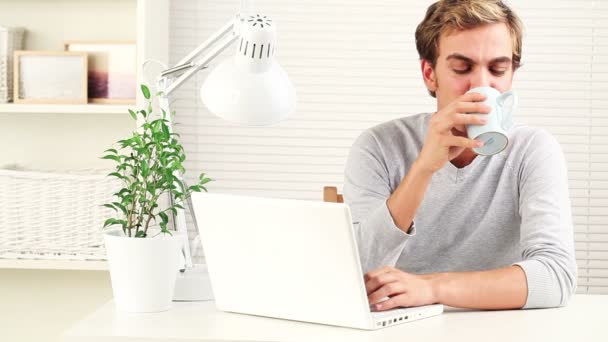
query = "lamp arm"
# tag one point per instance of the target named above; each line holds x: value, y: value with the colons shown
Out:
x: 202, y: 63
x: 217, y: 35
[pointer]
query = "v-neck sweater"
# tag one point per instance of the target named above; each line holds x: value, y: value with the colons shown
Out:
x: 512, y: 208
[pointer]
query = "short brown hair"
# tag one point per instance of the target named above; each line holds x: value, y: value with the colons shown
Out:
x: 448, y: 15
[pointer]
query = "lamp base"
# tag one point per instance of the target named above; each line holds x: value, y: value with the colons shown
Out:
x: 193, y: 285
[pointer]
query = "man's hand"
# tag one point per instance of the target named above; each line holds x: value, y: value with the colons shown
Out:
x: 441, y: 145
x: 402, y: 289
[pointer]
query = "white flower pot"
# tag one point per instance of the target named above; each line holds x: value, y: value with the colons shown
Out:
x: 143, y: 270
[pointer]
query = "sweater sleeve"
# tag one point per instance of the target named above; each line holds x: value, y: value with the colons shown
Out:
x: 546, y: 236
x: 366, y: 191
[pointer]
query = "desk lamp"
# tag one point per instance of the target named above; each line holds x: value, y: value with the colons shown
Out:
x: 249, y: 88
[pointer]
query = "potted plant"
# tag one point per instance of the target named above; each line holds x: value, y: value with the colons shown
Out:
x: 143, y: 253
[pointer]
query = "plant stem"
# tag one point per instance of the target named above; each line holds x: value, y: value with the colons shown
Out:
x: 133, y: 204
x: 152, y: 201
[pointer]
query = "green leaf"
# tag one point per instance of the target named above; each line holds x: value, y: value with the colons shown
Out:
x: 164, y: 217
x: 128, y: 199
x: 140, y: 234
x: 143, y: 112
x: 156, y: 126
x: 122, y: 192
x: 109, y: 222
x: 145, y: 169
x: 133, y: 115
x: 111, y: 150
x: 195, y: 188
x: 165, y: 130
x: 205, y: 181
x: 177, y: 205
x: 137, y: 139
x: 118, y: 175
x: 145, y: 91
x: 112, y: 157
x: 110, y: 206
x: 121, y: 207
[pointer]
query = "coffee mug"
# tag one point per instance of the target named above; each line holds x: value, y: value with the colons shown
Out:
x: 494, y: 132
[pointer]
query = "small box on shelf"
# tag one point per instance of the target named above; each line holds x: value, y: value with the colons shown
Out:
x: 11, y: 39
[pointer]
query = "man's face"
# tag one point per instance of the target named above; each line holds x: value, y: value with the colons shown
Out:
x: 469, y: 59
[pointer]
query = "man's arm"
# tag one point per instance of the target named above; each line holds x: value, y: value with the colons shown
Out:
x: 546, y: 233
x: 504, y: 288
x: 405, y: 200
x: 366, y: 190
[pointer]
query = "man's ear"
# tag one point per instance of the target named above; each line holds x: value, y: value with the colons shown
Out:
x: 428, y: 74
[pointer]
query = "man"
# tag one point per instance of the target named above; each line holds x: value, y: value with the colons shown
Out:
x: 437, y: 223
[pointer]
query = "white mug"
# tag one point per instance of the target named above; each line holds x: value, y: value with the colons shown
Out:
x: 494, y: 132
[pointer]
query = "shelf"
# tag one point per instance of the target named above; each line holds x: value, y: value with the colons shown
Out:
x: 53, y: 264
x: 65, y: 109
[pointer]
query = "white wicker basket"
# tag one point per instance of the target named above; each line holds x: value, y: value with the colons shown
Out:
x: 59, y: 216
x: 11, y: 39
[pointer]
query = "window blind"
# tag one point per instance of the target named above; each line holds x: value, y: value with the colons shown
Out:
x: 354, y: 65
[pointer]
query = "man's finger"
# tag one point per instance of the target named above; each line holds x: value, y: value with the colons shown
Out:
x: 469, y: 119
x: 378, y: 281
x: 473, y: 107
x: 387, y: 290
x: 462, y: 142
x: 374, y: 273
x: 460, y: 119
x: 473, y: 97
x: 391, y: 303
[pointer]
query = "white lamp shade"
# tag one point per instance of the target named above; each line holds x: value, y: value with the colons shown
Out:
x: 249, y: 98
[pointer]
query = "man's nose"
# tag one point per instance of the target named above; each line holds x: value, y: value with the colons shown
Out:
x: 480, y: 79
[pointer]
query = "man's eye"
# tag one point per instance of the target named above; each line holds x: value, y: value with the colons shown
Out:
x: 462, y: 71
x: 498, y: 72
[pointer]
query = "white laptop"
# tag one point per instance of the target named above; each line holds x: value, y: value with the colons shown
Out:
x: 289, y: 259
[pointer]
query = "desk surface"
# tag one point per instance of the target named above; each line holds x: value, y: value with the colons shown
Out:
x: 584, y: 319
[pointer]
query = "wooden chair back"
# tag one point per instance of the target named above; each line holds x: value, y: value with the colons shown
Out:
x: 330, y: 194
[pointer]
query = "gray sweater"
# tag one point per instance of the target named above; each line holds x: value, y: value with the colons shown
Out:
x: 510, y: 208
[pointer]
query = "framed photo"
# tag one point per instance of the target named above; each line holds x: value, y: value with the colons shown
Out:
x: 112, y: 70
x: 50, y: 77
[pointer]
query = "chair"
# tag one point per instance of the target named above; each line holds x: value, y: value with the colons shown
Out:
x: 330, y: 194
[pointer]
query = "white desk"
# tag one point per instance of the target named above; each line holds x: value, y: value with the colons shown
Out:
x: 584, y: 319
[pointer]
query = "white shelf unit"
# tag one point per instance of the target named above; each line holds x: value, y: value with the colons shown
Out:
x: 152, y: 34
x: 64, y: 109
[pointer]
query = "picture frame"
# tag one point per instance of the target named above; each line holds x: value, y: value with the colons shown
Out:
x: 112, y: 67
x: 50, y: 77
